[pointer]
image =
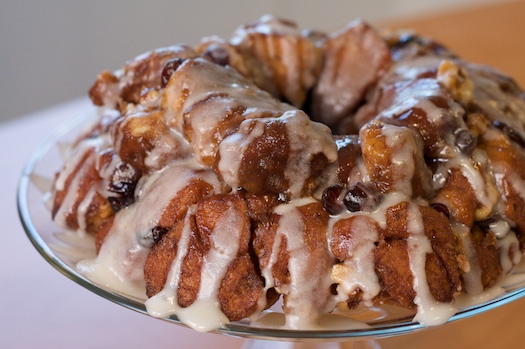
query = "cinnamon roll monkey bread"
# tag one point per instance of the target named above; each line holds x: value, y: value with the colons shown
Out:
x: 355, y: 167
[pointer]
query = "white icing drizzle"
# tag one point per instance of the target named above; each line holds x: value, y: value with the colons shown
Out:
x: 87, y: 151
x: 402, y: 157
x: 225, y: 244
x: 292, y: 205
x: 106, y: 170
x: 170, y: 144
x: 500, y: 228
x: 358, y: 272
x: 266, y: 25
x: 415, y: 92
x: 306, y: 139
x: 83, y: 208
x: 72, y: 192
x: 307, y: 295
x: 389, y: 200
x: 472, y: 276
x: 467, y: 300
x: 74, y: 157
x: 508, y: 282
x: 119, y: 264
x: 517, y: 183
x: 429, y: 311
x: 196, y: 80
x: 165, y: 303
x: 509, y: 252
x: 204, y: 314
x: 206, y: 123
x: 232, y: 150
x: 474, y: 177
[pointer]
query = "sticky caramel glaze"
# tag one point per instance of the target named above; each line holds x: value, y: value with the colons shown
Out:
x: 348, y: 155
x: 507, y: 160
x: 221, y: 96
x: 135, y: 228
x: 80, y: 198
x: 230, y: 122
x: 441, y: 266
x: 393, y: 157
x: 486, y: 247
x: 410, y: 95
x: 281, y: 155
x: 400, y: 253
x: 295, y: 260
x: 220, y: 223
x: 459, y: 197
x: 140, y: 74
x: 144, y: 141
x: 197, y: 172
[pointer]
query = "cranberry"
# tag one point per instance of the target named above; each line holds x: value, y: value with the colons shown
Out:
x: 441, y: 208
x: 168, y: 70
x: 120, y: 202
x: 511, y: 133
x: 359, y: 197
x: 465, y: 141
x: 157, y: 233
x: 218, y: 54
x: 124, y: 179
x: 331, y: 199
x: 152, y: 237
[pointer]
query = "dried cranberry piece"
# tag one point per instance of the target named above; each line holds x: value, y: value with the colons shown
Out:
x: 124, y: 179
x: 465, y: 141
x: 510, y: 132
x: 152, y: 237
x: 360, y: 197
x: 158, y: 232
x: 120, y: 202
x: 218, y: 55
x: 168, y: 70
x: 331, y: 199
x: 441, y: 208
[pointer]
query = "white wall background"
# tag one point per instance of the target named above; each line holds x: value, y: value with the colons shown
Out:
x: 51, y: 51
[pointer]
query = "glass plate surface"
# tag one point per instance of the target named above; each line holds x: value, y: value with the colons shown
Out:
x: 63, y: 252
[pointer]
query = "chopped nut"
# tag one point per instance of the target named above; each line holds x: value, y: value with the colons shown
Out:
x: 339, y: 272
x: 456, y: 80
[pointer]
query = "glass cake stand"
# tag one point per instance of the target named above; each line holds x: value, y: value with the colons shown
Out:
x: 361, y: 327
